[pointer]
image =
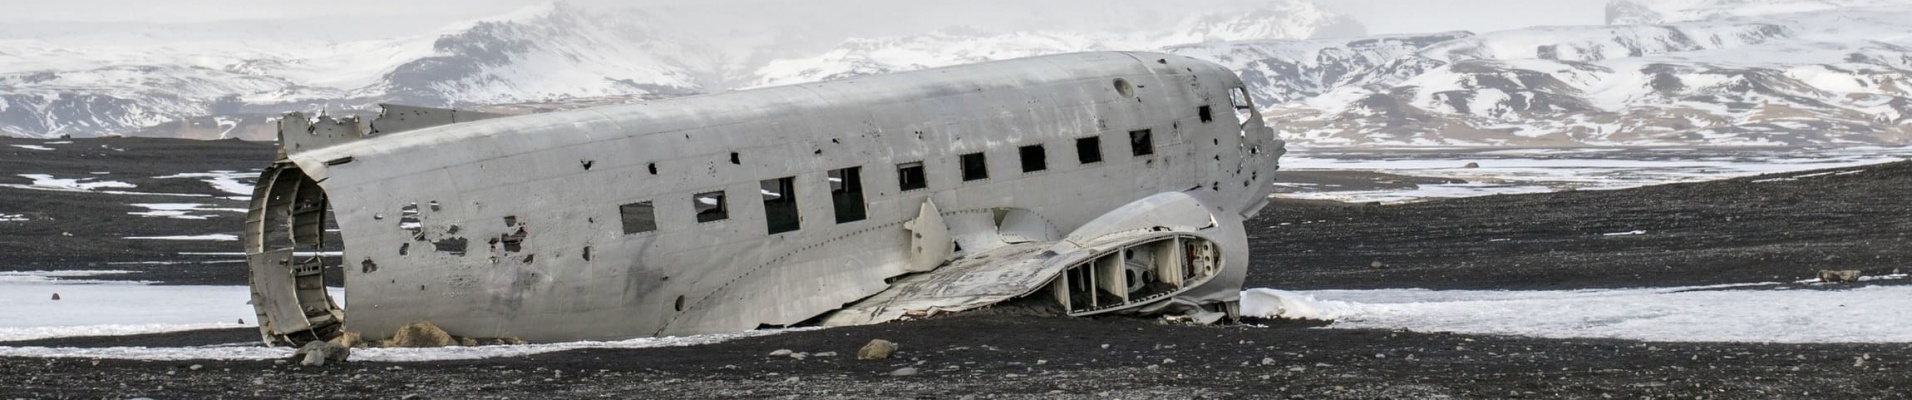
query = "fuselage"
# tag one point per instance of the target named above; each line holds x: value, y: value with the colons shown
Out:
x: 764, y: 207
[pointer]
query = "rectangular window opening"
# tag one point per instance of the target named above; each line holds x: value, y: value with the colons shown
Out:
x: 846, y: 190
x: 711, y: 207
x: 975, y: 167
x: 1089, y: 150
x: 909, y: 176
x: 1140, y: 143
x: 1244, y: 106
x: 780, y: 204
x: 638, y: 217
x: 1034, y: 158
x: 1207, y: 114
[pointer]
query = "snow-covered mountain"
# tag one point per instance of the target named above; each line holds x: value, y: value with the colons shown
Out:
x: 552, y: 53
x: 1641, y: 12
x: 1839, y: 76
x: 1672, y: 72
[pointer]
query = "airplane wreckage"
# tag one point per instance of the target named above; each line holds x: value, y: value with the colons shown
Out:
x: 1106, y: 182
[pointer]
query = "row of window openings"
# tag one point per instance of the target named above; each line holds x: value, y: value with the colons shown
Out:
x: 846, y: 187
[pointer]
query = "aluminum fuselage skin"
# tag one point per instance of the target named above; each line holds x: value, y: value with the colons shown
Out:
x: 535, y: 199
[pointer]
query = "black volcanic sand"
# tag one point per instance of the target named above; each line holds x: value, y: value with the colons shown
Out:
x: 1732, y: 231
x: 1043, y: 358
x: 1705, y: 233
x: 87, y: 231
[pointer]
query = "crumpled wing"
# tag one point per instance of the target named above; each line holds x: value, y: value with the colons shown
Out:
x: 966, y: 283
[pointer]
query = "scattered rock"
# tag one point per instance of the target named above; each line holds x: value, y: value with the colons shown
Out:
x: 799, y: 356
x: 781, y: 353
x: 826, y: 354
x: 905, y: 371
x: 1839, y: 276
x: 196, y: 367
x: 467, y: 342
x: 1267, y: 361
x: 1377, y: 264
x: 349, y: 340
x: 56, y: 296
x: 421, y: 334
x: 508, y: 341
x: 878, y: 349
x: 317, y: 353
x: 1471, y: 165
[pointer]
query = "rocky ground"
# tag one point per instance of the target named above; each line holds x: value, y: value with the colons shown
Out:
x: 1743, y: 230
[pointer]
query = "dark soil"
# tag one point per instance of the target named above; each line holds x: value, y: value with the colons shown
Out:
x: 1046, y: 358
x: 1694, y: 234
x: 1732, y: 231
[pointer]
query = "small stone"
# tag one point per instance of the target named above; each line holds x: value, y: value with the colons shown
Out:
x: 422, y: 334
x: 905, y: 371
x: 1105, y: 346
x: 1168, y: 361
x: 825, y: 354
x: 781, y: 353
x: 1471, y: 165
x: 196, y: 367
x: 349, y: 340
x: 1839, y: 276
x: 1376, y: 264
x: 1153, y: 367
x: 56, y: 296
x: 791, y: 380
x: 799, y: 356
x: 877, y: 349
x: 258, y: 381
x: 1041, y: 362
x: 317, y: 353
x: 1267, y: 361
x: 467, y: 342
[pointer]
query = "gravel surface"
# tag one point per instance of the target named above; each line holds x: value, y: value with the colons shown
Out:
x: 1690, y: 234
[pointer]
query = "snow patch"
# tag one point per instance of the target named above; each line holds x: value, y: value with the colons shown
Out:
x: 12, y: 218
x: 1765, y: 313
x: 179, y: 210
x: 373, y: 354
x: 32, y: 147
x: 224, y: 181
x: 216, y: 237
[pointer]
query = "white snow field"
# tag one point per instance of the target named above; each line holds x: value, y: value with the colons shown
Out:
x: 111, y: 308
x: 1538, y: 170
x: 96, y: 308
x: 1761, y: 313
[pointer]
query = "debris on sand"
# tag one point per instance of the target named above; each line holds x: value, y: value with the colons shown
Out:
x: 878, y: 349
x: 317, y: 353
x: 421, y: 334
x: 349, y: 340
x: 56, y: 296
x: 1841, y: 276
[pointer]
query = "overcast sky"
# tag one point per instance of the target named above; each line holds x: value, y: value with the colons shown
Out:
x: 421, y: 16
